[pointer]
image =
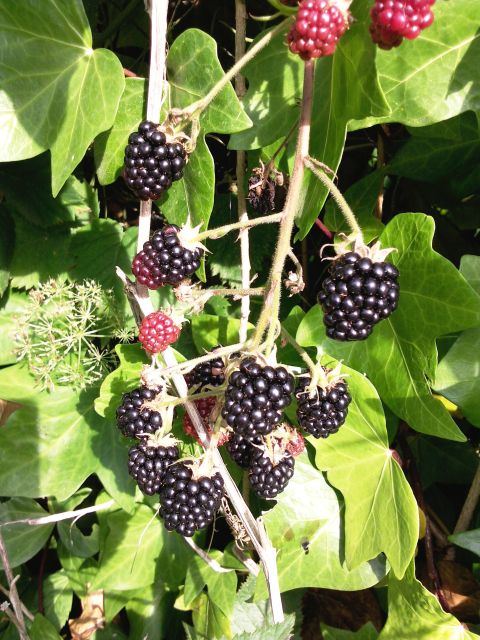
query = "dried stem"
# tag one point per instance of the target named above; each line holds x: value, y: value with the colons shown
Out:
x: 240, y: 89
x: 64, y: 515
x: 469, y: 505
x: 13, y: 596
x: 196, y: 108
x: 212, y: 563
x: 271, y: 305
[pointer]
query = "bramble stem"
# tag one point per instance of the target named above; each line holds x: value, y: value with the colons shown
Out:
x: 257, y: 291
x: 316, y: 168
x: 18, y: 619
x: 301, y: 352
x: 196, y: 108
x: 271, y: 305
x: 219, y: 232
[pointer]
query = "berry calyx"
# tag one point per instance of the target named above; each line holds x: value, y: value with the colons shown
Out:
x: 256, y: 397
x: 152, y: 161
x: 134, y: 419
x: 207, y: 374
x: 318, y: 26
x: 360, y: 290
x: 393, y: 20
x: 149, y: 460
x: 323, y: 410
x: 205, y: 407
x: 157, y: 332
x: 164, y: 260
x: 189, y: 498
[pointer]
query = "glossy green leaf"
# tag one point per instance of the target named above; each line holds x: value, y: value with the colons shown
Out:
x: 414, y: 612
x: 400, y: 354
x: 381, y: 513
x: 9, y: 317
x: 210, y: 331
x: 221, y: 587
x: 22, y: 541
x: 367, y: 632
x: 150, y: 614
x: 78, y: 543
x: 469, y: 540
x: 57, y: 598
x: 42, y: 629
x: 72, y: 99
x: 309, y: 537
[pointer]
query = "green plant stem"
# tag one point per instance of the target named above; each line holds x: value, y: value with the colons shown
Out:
x: 316, y: 169
x: 257, y: 291
x: 271, y: 305
x: 219, y: 232
x: 301, y: 352
x: 196, y: 108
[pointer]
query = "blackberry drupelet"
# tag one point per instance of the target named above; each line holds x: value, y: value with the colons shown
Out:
x: 356, y: 295
x: 325, y: 413
x: 133, y: 419
x: 164, y: 260
x: 188, y: 502
x: 151, y: 162
x: 318, y: 26
x: 211, y: 373
x: 157, y: 331
x: 256, y: 397
x: 241, y: 449
x: 269, y: 478
x: 205, y: 407
x: 147, y: 465
x: 393, y: 20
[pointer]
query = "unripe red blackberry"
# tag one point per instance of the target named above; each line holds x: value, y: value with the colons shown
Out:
x: 393, y: 20
x: 157, y: 331
x: 164, y: 260
x: 148, y: 462
x: 256, y: 397
x: 241, y: 449
x: 133, y: 418
x: 207, y: 374
x: 189, y: 499
x: 268, y: 477
x: 151, y: 162
x: 318, y: 26
x: 325, y: 412
x: 205, y: 407
x: 357, y: 293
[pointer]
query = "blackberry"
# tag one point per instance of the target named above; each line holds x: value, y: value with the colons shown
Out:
x: 325, y: 413
x: 189, y: 501
x: 241, y: 449
x: 211, y: 373
x: 152, y: 163
x: 256, y: 397
x: 147, y: 464
x: 164, y: 260
x: 157, y: 331
x: 268, y: 478
x: 393, y: 20
x: 318, y: 26
x: 133, y: 419
x: 205, y: 407
x: 356, y: 295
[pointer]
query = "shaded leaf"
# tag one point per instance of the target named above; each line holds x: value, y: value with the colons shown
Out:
x: 42, y: 629
x: 57, y: 598
x: 22, y: 541
x: 469, y: 540
x: 367, y: 632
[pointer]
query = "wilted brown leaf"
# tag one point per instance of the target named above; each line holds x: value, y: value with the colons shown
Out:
x: 91, y: 619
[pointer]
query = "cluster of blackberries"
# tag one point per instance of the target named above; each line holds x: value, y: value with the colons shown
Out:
x: 318, y: 26
x: 325, y: 412
x: 148, y: 460
x: 357, y: 294
x: 164, y: 260
x: 394, y: 20
x: 152, y: 163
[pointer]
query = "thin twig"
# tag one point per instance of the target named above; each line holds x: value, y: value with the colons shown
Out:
x: 27, y: 612
x: 240, y: 89
x: 64, y: 515
x: 13, y: 593
x: 219, y: 232
x: 469, y: 505
x: 252, y: 566
x: 212, y: 563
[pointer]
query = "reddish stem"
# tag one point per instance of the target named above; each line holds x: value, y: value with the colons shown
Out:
x: 323, y: 228
x: 129, y: 74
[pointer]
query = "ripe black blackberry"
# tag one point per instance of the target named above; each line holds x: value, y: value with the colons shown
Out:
x: 357, y: 293
x: 152, y: 163
x: 256, y: 397
x: 269, y: 475
x: 325, y: 413
x: 133, y: 418
x: 210, y: 373
x: 164, y: 260
x: 241, y: 449
x: 188, y: 499
x: 148, y: 462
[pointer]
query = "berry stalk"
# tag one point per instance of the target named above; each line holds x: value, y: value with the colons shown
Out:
x: 271, y: 305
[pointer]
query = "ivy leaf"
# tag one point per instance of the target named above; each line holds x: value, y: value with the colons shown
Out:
x: 72, y: 99
x: 401, y: 354
x: 296, y: 525
x: 414, y: 612
x: 57, y: 598
x: 367, y: 632
x: 469, y: 540
x: 15, y: 306
x: 435, y: 77
x: 381, y: 513
x: 42, y: 629
x: 22, y: 541
x: 209, y: 331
